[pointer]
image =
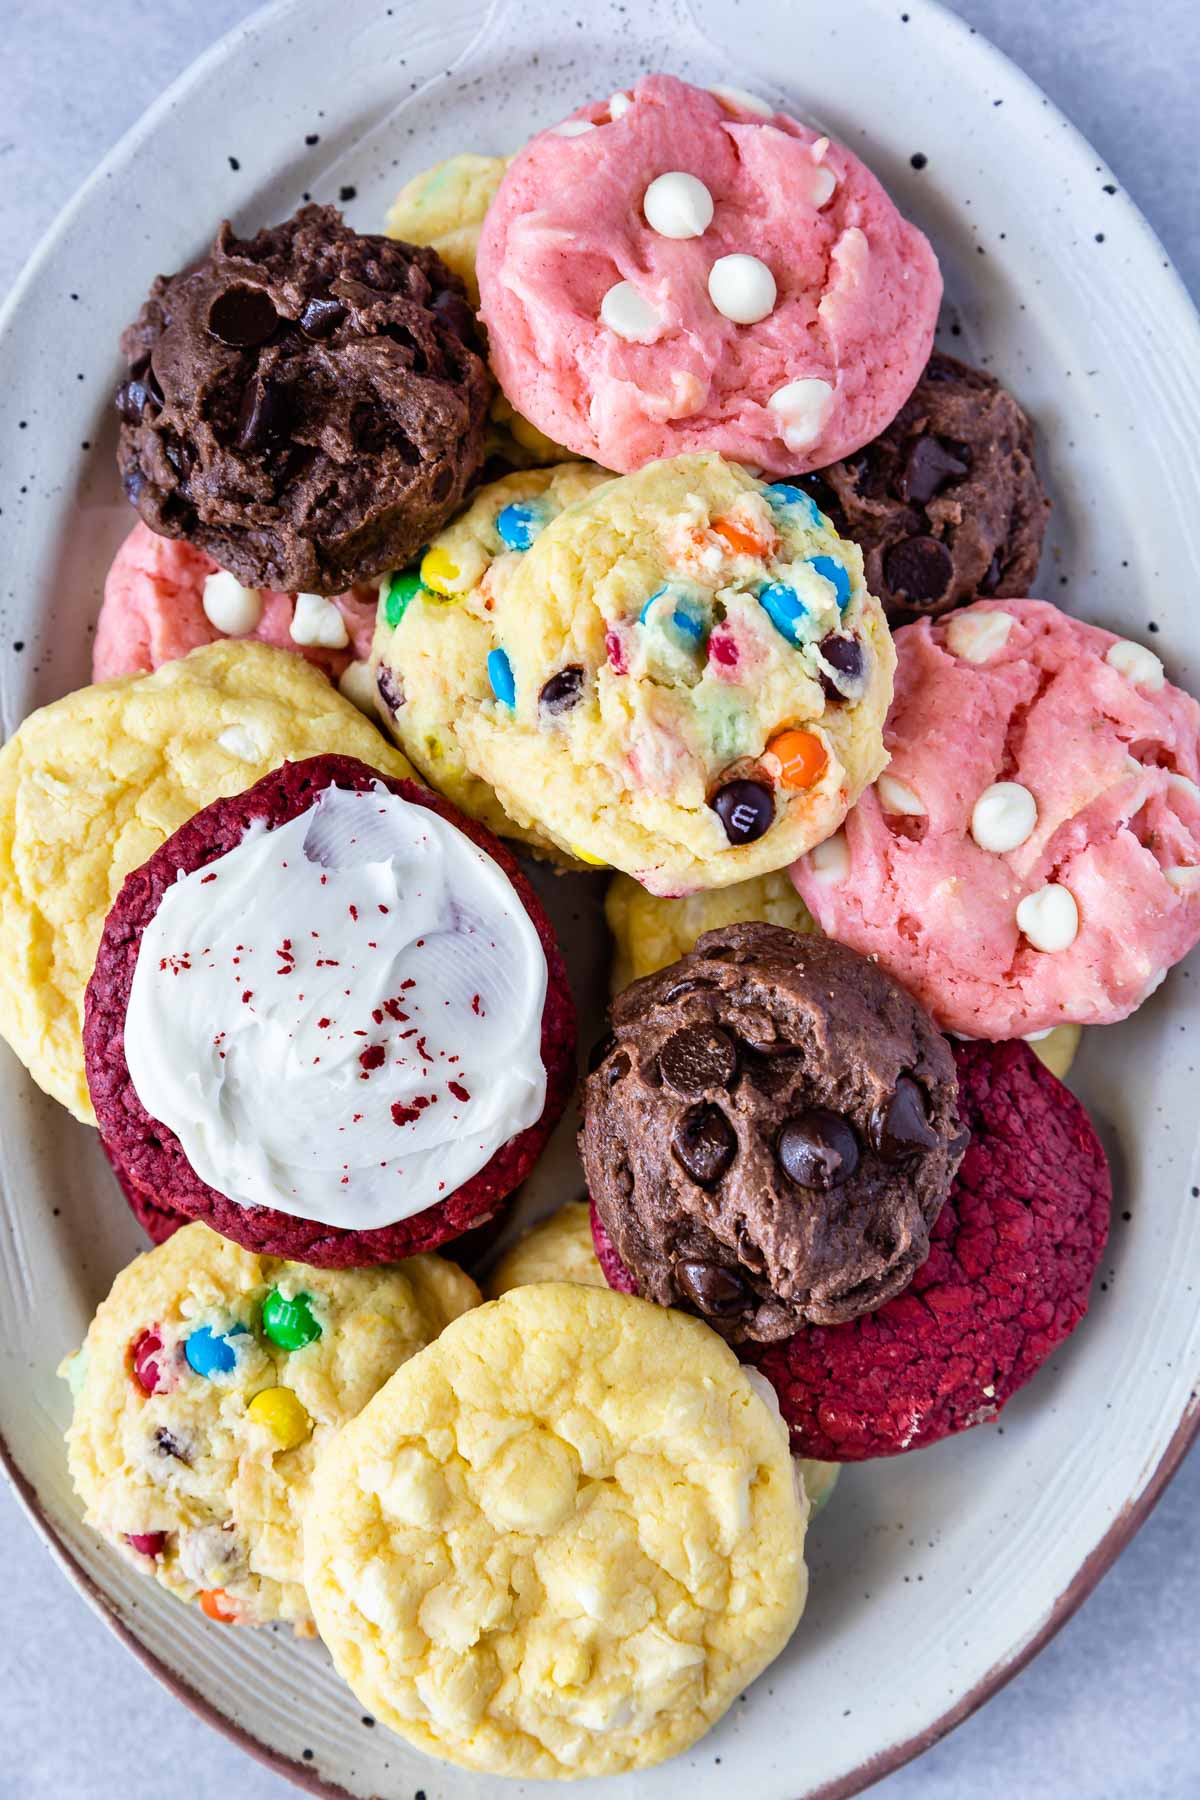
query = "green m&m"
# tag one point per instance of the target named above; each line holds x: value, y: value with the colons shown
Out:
x: 289, y: 1323
x: 400, y: 587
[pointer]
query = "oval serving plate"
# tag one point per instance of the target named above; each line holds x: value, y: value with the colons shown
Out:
x: 947, y: 1568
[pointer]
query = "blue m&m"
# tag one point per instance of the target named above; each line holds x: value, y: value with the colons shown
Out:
x: 785, y: 609
x: 501, y: 677
x: 210, y: 1352
x: 684, y: 621
x: 520, y: 523
x: 781, y: 495
x: 836, y: 573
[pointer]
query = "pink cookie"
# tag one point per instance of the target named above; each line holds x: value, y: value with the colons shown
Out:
x: 153, y: 612
x: 604, y: 330
x: 1032, y: 854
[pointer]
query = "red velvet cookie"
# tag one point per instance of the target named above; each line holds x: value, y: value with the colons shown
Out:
x: 1011, y: 1263
x: 150, y: 1159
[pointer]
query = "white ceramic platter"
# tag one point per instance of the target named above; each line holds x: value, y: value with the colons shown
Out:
x: 934, y: 1575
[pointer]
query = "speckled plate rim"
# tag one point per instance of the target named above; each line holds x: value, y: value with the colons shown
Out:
x: 1099, y: 1560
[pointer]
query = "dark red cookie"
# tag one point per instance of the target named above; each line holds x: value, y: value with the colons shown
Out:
x: 156, y: 1221
x: 150, y: 1160
x: 1010, y: 1266
x: 611, y: 1266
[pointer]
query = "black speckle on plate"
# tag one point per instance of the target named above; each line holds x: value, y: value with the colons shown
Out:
x: 347, y: 193
x: 234, y: 164
x: 314, y: 137
x: 918, y: 159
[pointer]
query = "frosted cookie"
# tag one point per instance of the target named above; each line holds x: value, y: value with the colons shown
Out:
x: 209, y: 1382
x: 92, y: 784
x: 688, y: 678
x: 329, y: 1018
x: 680, y: 272
x: 529, y: 1559
x: 557, y: 1248
x: 436, y: 632
x: 1031, y: 857
x: 163, y: 598
x: 649, y: 932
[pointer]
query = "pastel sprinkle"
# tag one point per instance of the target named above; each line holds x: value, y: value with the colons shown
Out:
x: 501, y: 677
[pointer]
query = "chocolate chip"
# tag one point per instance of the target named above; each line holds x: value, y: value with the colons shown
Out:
x: 455, y: 314
x: 263, y: 414
x: 929, y: 465
x: 745, y: 808
x: 390, y: 690
x: 818, y: 489
x: 817, y: 1148
x: 322, y: 316
x: 600, y: 1049
x: 562, y: 691
x: 901, y: 1127
x: 168, y: 1445
x: 919, y: 570
x: 242, y: 317
x: 133, y: 481
x: 618, y: 1068
x: 131, y: 398
x: 991, y: 580
x: 866, y: 470
x: 698, y: 1058
x: 443, y: 481
x: 845, y: 655
x: 710, y: 1288
x: 704, y: 1144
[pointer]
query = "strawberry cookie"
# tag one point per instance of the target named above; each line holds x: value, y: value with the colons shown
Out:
x: 672, y: 270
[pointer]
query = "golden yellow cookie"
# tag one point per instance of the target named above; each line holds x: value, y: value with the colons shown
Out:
x: 688, y: 678
x: 1057, y: 1048
x: 560, y: 1541
x: 92, y: 784
x: 434, y: 634
x: 558, y: 1248
x: 209, y: 1382
x: 649, y: 931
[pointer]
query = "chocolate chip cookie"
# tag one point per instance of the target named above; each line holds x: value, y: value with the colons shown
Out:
x: 946, y: 504
x: 770, y: 1130
x: 308, y: 406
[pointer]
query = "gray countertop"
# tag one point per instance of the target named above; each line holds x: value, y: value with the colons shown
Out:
x: 1110, y: 1709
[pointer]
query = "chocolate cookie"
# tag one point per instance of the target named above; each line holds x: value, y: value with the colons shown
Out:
x: 946, y: 504
x: 769, y: 1132
x: 307, y: 406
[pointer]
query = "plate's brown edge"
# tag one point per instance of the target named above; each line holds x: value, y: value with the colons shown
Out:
x: 1095, y: 1565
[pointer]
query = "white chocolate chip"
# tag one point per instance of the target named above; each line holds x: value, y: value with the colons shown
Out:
x: 1137, y: 664
x: 829, y: 863
x: 240, y: 742
x: 1049, y: 918
x: 572, y: 128
x: 738, y: 100
x: 803, y: 408
x: 357, y: 683
x: 977, y: 637
x: 895, y: 796
x: 678, y: 205
x: 1183, y: 784
x: 1154, y: 982
x: 1003, y: 817
x: 1035, y: 1037
x: 742, y: 288
x: 1184, y: 876
x: 230, y: 607
x: 317, y: 621
x: 625, y: 311
x: 619, y: 105
x: 819, y: 189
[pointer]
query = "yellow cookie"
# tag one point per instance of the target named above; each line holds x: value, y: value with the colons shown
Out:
x: 434, y: 634
x: 92, y: 784
x: 649, y: 931
x: 560, y: 1541
x: 209, y: 1381
x: 688, y: 680
x: 1056, y: 1048
x: 558, y: 1248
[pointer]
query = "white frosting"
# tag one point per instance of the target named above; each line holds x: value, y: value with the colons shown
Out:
x: 268, y: 982
x: 829, y: 862
x: 1049, y: 917
x: 678, y: 205
x: 895, y: 796
x: 977, y: 637
x: 803, y: 407
x: 230, y: 607
x: 1003, y: 817
x: 742, y: 288
x: 317, y: 621
x: 625, y: 311
x: 1137, y: 664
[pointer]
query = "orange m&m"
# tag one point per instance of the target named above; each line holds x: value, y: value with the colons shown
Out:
x: 216, y: 1604
x: 740, y: 540
x: 801, y: 757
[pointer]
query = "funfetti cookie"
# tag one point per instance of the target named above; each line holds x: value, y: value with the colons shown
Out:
x: 687, y: 678
x: 1031, y: 856
x: 163, y: 598
x: 528, y: 1557
x: 673, y: 271
x: 329, y: 1018
x: 307, y: 406
x: 769, y: 1132
x: 435, y: 634
x: 92, y: 784
x: 209, y: 1382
